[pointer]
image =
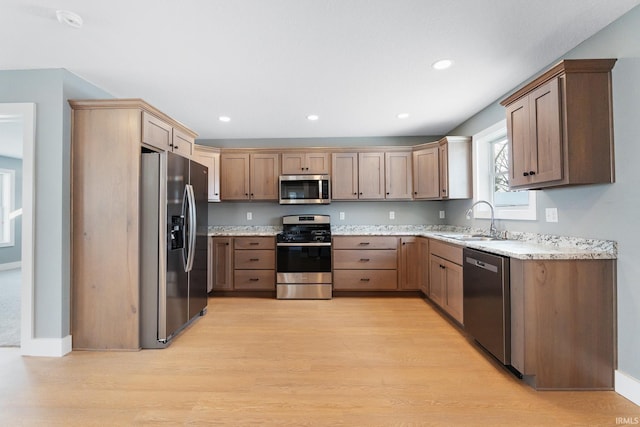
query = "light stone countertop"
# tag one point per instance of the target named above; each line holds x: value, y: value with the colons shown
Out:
x: 525, y: 246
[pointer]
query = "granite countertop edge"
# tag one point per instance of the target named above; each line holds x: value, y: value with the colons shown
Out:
x: 519, y: 245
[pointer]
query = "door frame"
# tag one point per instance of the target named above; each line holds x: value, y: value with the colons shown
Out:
x: 27, y: 112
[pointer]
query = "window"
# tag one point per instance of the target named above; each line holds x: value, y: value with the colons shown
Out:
x: 491, y: 177
x: 7, y: 191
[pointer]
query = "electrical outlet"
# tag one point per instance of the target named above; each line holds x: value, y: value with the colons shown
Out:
x: 441, y: 214
x: 392, y: 215
x: 249, y: 216
x: 551, y: 214
x: 341, y: 216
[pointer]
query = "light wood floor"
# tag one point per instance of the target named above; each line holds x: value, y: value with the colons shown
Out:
x: 343, y: 362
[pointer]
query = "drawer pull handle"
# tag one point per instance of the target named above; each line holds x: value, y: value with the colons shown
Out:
x: 254, y: 243
x: 253, y: 279
x: 364, y: 259
x: 364, y: 243
x: 254, y: 259
x: 364, y: 279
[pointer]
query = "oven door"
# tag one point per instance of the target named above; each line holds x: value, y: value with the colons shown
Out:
x: 304, y: 257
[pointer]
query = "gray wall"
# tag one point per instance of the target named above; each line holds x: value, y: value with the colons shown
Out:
x: 50, y: 90
x: 13, y: 253
x: 370, y: 213
x: 599, y: 211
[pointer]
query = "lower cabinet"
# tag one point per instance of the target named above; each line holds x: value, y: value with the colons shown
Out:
x: 563, y: 330
x: 445, y: 278
x: 365, y: 263
x: 243, y: 264
x: 409, y: 265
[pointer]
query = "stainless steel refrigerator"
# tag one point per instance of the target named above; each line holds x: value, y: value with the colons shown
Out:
x: 173, y: 223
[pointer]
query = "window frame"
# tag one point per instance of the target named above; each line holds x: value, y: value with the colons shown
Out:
x: 482, y: 163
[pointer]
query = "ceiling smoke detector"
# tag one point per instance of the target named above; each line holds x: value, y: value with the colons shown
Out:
x: 69, y: 18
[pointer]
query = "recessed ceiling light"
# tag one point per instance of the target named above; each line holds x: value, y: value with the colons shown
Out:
x: 69, y: 18
x: 442, y: 64
x: 224, y: 119
x: 402, y: 115
x: 313, y: 117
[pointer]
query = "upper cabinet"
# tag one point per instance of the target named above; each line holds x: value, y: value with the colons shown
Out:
x: 166, y: 137
x: 310, y: 163
x: 560, y: 127
x: 210, y: 157
x: 442, y: 170
x: 375, y: 175
x: 245, y: 176
x: 398, y: 182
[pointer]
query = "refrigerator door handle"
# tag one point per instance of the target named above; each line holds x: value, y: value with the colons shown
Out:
x: 191, y: 200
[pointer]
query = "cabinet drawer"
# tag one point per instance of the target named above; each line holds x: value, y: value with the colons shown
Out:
x: 447, y: 251
x: 365, y: 242
x: 365, y: 280
x: 254, y: 260
x: 359, y: 259
x: 254, y: 279
x: 254, y: 243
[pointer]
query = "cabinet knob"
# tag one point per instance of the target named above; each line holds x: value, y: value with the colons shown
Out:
x: 525, y: 174
x: 361, y: 194
x: 175, y: 147
x: 355, y: 194
x: 415, y: 192
x: 532, y: 173
x: 388, y: 193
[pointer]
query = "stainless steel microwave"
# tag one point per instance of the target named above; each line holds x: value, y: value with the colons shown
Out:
x: 305, y: 189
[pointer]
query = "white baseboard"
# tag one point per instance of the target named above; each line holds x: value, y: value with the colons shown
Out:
x: 628, y: 387
x: 10, y: 265
x: 46, y: 347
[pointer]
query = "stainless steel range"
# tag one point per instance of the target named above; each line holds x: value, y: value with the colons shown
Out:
x: 304, y: 257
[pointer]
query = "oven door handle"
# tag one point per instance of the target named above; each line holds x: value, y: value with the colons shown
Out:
x: 305, y: 244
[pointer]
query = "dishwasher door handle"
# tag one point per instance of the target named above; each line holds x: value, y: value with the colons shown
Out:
x: 482, y: 264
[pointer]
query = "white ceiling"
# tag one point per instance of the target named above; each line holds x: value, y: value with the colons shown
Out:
x: 269, y: 63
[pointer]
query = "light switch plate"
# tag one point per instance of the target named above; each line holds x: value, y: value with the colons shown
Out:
x: 442, y: 215
x: 341, y: 216
x: 249, y: 216
x: 551, y: 214
x: 392, y: 215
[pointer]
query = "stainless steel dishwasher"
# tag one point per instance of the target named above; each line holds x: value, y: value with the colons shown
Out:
x: 486, y: 302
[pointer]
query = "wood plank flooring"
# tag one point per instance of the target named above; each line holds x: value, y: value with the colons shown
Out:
x: 251, y: 361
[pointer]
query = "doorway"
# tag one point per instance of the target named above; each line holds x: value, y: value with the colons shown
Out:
x: 17, y: 138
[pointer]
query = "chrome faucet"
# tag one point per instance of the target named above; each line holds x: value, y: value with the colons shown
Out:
x: 492, y: 228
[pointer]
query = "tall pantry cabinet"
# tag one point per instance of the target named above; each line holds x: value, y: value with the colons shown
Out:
x: 107, y: 139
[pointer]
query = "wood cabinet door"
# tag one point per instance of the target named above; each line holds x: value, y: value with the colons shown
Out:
x: 546, y: 149
x: 443, y: 163
x: 156, y: 132
x: 519, y: 136
x: 371, y: 176
x: 293, y: 163
x: 426, y: 173
x: 221, y: 264
x: 398, y: 175
x: 437, y: 280
x: 318, y: 163
x: 344, y: 179
x: 453, y: 298
x: 211, y: 160
x: 234, y: 176
x: 182, y: 143
x: 263, y: 175
x: 409, y: 263
x: 423, y: 264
